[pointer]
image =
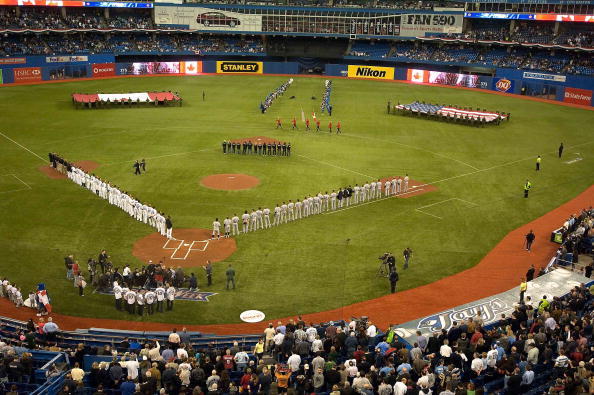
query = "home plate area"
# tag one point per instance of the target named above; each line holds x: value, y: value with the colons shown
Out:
x: 187, y: 248
x: 182, y: 248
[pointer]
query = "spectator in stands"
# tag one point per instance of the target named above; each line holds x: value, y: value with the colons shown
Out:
x: 77, y: 373
x: 51, y: 329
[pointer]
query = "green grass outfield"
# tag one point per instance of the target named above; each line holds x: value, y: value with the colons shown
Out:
x: 305, y: 266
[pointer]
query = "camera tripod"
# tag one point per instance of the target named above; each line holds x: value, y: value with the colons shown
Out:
x: 382, y: 271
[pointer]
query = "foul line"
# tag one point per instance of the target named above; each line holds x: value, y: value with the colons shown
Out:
x: 23, y: 147
x: 28, y: 187
x: 496, y: 166
x: 413, y: 147
x: 335, y: 166
x: 370, y: 201
x: 159, y: 156
x: 420, y: 209
x: 434, y: 216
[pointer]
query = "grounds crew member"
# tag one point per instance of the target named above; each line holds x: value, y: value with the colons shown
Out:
x: 560, y: 150
x: 527, y: 187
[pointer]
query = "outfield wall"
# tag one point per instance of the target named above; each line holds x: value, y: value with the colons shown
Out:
x: 569, y: 89
x: 36, y: 69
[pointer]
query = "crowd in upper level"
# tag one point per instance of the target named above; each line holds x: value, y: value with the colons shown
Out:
x: 74, y: 18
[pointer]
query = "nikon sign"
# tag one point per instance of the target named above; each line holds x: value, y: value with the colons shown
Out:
x: 227, y: 67
x: 419, y: 25
x: 375, y: 72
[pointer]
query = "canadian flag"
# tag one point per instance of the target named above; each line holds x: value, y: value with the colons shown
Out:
x: 415, y: 75
x: 190, y: 68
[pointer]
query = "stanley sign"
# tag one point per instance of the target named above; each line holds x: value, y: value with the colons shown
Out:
x: 239, y: 67
x: 375, y: 72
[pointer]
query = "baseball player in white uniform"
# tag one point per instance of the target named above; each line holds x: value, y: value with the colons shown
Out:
x: 277, y: 215
x: 394, y: 182
x: 117, y: 293
x: 333, y: 200
x: 356, y: 194
x: 160, y: 292
x: 266, y: 213
x: 131, y: 299
x: 291, y: 210
x: 373, y: 188
x: 235, y: 224
x: 387, y: 188
x: 405, y: 189
x: 149, y: 299
x: 216, y: 229
x: 284, y: 209
x: 298, y: 209
x: 325, y: 201
x: 227, y: 226
x: 399, y: 185
x: 245, y: 222
x: 260, y: 219
x: 254, y: 220
x: 170, y: 297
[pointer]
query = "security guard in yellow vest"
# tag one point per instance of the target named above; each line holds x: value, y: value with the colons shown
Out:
x: 527, y: 187
x: 523, y: 289
x: 538, y: 163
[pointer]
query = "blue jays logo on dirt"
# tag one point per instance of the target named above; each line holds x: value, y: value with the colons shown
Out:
x: 489, y: 311
x: 182, y: 294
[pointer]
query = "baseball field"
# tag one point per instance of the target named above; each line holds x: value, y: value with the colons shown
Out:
x: 319, y: 263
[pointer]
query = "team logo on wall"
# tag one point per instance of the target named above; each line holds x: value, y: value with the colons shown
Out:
x: 239, y: 67
x: 503, y: 85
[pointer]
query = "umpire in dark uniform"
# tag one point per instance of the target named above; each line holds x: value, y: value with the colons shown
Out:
x: 224, y: 147
x: 208, y: 270
x: 137, y: 168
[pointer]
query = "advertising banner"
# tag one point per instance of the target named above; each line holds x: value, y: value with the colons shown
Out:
x: 66, y: 59
x: 442, y: 78
x: 141, y: 68
x: 230, y: 67
x: 503, y: 85
x: 543, y: 76
x: 191, y: 68
x: 578, y: 96
x: 103, y: 69
x: 375, y: 72
x: 27, y: 74
x: 13, y: 60
x: 418, y: 25
x: 206, y: 19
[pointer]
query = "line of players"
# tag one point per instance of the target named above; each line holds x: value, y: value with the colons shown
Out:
x: 248, y: 148
x: 143, y: 300
x: 279, y: 125
x: 134, y: 207
x: 311, y: 205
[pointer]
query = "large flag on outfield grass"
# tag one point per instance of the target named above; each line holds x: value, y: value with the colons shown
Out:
x: 424, y: 108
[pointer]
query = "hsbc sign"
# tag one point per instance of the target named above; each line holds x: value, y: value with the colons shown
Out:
x: 27, y: 74
x: 103, y: 69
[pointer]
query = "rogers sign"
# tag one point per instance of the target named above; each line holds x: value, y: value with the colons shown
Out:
x: 578, y: 96
x: 27, y: 74
x: 103, y: 69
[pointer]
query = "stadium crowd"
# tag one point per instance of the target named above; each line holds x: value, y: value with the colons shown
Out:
x: 73, y: 18
x: 577, y: 235
x: 541, y: 346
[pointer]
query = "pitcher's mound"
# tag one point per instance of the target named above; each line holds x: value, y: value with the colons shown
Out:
x: 230, y: 182
x: 86, y: 165
x: 187, y: 248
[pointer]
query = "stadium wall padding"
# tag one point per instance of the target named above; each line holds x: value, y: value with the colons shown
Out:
x: 58, y: 68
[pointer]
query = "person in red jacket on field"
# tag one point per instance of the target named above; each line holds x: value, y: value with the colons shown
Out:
x: 330, y: 126
x: 278, y: 123
x: 307, y: 124
x: 337, y: 127
x: 294, y: 122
